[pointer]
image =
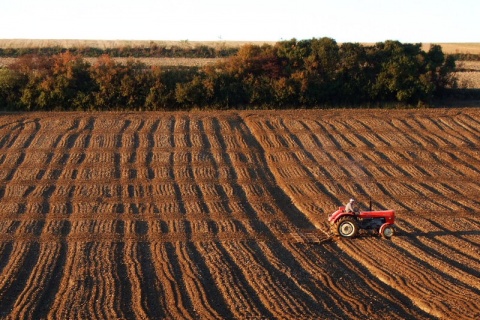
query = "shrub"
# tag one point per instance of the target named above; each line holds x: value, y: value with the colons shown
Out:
x: 291, y: 73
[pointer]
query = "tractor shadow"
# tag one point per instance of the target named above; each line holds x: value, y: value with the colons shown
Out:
x: 432, y: 234
x: 409, y: 230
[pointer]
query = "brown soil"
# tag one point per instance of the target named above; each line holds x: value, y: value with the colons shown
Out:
x: 223, y: 214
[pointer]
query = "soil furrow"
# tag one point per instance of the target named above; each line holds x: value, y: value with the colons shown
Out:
x: 23, y: 257
x: 61, y: 307
x: 242, y: 297
x: 192, y: 279
x: 51, y: 288
x: 121, y: 280
x: 175, y: 304
x: 451, y: 239
x: 453, y: 127
x: 432, y: 130
x: 426, y: 286
x: 150, y: 283
x: 210, y: 284
x: 465, y: 276
x: 389, y: 303
x: 276, y: 290
x: 10, y: 134
x: 188, y: 215
x: 285, y: 187
x: 470, y: 123
x: 30, y: 297
x: 291, y: 262
x: 6, y: 249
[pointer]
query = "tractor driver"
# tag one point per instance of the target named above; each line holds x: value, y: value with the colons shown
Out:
x: 350, y: 207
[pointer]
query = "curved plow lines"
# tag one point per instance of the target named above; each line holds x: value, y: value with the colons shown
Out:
x: 430, y: 130
x: 216, y: 215
x: 10, y: 132
x: 426, y: 285
x: 295, y: 176
x: 250, y: 184
x: 456, y: 240
x: 192, y: 282
x: 30, y: 297
x: 135, y: 275
x: 240, y: 297
x: 382, y: 300
x: 328, y: 299
x: 420, y: 179
x: 23, y: 138
x: 440, y: 258
x: 469, y: 122
x: 175, y: 302
x: 22, y: 260
x: 5, y: 251
x: 276, y: 291
x: 423, y: 166
x: 454, y: 127
x: 86, y: 287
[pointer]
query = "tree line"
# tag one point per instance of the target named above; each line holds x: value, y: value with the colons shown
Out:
x: 288, y: 74
x: 152, y: 51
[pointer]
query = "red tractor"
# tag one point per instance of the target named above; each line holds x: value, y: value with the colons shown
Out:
x: 348, y: 224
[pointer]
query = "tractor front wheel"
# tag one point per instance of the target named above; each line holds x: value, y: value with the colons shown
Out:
x: 387, y: 231
x: 347, y: 227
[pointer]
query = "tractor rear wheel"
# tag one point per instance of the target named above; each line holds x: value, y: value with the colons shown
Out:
x: 347, y: 227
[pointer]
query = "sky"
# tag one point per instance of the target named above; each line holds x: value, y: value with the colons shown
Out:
x: 410, y: 21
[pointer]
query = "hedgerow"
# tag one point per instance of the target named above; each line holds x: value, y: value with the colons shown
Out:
x: 154, y: 51
x: 289, y: 74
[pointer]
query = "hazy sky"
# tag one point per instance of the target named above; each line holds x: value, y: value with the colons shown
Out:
x: 250, y: 20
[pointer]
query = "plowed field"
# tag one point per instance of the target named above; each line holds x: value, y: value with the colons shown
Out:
x: 222, y: 215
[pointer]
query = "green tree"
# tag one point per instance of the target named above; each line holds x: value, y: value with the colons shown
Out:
x: 59, y: 82
x: 399, y: 71
x: 157, y: 95
x: 69, y: 85
x: 353, y: 74
x: 320, y: 72
x: 440, y: 68
x: 31, y: 70
x: 11, y: 84
x: 406, y: 73
x: 120, y: 86
x: 294, y: 53
x: 192, y: 93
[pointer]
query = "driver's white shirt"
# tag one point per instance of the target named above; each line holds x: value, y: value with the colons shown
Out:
x: 349, y: 207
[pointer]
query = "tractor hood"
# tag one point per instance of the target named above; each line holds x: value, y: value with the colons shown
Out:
x: 388, y: 215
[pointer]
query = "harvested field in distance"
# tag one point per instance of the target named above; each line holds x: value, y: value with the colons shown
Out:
x: 468, y: 74
x: 104, y: 44
x: 223, y: 214
x: 166, y: 62
x: 468, y: 79
x: 472, y: 48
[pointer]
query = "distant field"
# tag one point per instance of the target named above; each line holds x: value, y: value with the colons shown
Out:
x: 473, y: 48
x: 103, y: 44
